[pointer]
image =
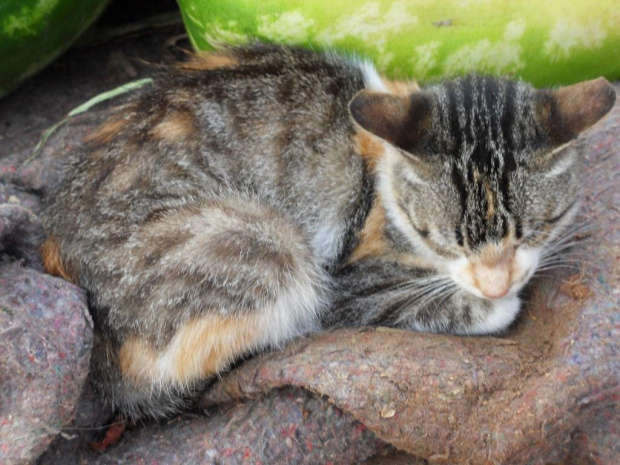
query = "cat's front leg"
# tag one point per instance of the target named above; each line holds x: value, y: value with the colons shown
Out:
x: 461, y: 313
x: 383, y: 293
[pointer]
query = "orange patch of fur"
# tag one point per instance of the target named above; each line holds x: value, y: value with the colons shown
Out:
x: 490, y: 200
x: 371, y: 238
x: 230, y: 338
x: 136, y: 359
x: 400, y: 87
x: 204, y: 346
x: 372, y: 241
x: 203, y: 61
x: 107, y: 131
x: 370, y: 148
x: 489, y: 193
x: 174, y: 126
x: 52, y: 262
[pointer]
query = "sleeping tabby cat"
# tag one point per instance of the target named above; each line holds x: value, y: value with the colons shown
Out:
x: 265, y: 192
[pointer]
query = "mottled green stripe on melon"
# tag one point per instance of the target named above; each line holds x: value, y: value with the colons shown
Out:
x: 34, y: 32
x: 28, y: 19
x: 546, y: 42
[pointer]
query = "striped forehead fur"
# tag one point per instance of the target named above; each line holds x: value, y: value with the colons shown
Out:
x: 481, y: 129
x: 483, y: 119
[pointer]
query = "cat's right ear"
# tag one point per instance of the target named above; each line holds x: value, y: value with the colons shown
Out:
x: 570, y: 110
x: 400, y: 120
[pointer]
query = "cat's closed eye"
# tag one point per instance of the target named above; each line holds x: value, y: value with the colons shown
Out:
x: 557, y: 217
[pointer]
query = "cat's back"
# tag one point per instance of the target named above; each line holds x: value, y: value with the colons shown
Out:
x: 274, y: 117
x: 266, y: 120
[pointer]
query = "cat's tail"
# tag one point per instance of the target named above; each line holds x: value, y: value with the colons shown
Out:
x: 237, y: 278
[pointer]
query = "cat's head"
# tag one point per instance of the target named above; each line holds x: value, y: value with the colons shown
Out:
x: 479, y: 174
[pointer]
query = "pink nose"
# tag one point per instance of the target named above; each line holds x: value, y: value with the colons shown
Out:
x: 493, y: 283
x: 493, y: 278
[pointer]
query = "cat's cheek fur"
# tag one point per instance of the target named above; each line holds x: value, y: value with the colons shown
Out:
x: 459, y: 271
x: 525, y: 263
x: 394, y: 212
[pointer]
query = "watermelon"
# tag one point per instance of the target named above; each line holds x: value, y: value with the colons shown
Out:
x: 545, y: 42
x: 34, y: 32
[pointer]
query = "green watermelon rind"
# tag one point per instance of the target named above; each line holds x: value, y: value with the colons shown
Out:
x: 547, y: 43
x: 35, y: 32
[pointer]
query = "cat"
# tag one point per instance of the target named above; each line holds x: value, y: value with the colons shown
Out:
x: 263, y: 192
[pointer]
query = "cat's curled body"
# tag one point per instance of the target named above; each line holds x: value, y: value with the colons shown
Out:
x: 266, y: 191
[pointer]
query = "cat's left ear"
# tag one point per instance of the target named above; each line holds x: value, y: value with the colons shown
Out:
x: 570, y: 110
x: 401, y: 120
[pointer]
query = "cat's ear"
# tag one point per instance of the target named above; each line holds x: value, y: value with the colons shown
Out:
x: 401, y: 120
x: 570, y: 110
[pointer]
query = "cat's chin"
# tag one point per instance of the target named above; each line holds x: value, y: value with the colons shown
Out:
x: 498, y: 315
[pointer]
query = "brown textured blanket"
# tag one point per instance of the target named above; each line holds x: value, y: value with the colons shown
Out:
x: 547, y: 392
